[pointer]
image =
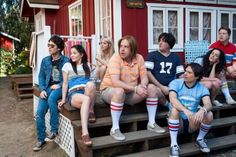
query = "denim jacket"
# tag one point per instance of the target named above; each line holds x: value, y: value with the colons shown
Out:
x: 46, y: 70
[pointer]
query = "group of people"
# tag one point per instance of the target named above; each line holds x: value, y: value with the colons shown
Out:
x: 126, y: 78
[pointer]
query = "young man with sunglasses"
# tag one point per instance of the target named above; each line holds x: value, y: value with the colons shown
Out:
x: 50, y: 83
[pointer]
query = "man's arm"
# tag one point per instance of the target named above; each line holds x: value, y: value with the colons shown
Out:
x: 176, y: 104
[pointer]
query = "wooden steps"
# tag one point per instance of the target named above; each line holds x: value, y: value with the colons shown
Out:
x: 143, y: 135
x: 189, y: 149
x: 22, y: 85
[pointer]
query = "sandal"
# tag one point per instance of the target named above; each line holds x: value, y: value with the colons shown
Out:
x: 91, y: 118
x: 86, y: 140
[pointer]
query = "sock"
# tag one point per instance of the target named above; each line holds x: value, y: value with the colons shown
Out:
x: 173, y: 128
x: 116, y: 110
x: 204, y: 128
x: 225, y: 89
x: 151, y: 104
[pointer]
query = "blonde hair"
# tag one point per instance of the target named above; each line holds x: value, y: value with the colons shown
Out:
x: 110, y: 48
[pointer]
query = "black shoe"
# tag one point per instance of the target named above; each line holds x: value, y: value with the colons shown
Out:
x: 51, y: 137
x: 38, y: 146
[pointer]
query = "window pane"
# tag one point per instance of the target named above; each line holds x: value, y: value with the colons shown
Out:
x: 194, y: 19
x: 157, y: 18
x: 108, y: 8
x: 156, y: 34
x: 193, y: 34
x: 172, y: 24
x: 103, y: 8
x: 225, y: 20
x: 234, y: 35
x: 194, y: 27
x: 207, y: 35
x: 234, y: 20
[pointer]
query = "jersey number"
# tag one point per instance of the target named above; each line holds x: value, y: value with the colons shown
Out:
x: 165, y: 67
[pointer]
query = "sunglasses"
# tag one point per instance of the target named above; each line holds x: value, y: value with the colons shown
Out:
x: 51, y: 45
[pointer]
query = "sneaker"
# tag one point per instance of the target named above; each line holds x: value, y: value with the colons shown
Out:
x: 155, y: 128
x: 202, y: 145
x: 117, y: 135
x: 51, y: 137
x: 230, y: 101
x: 217, y: 103
x: 174, y: 151
x: 38, y: 146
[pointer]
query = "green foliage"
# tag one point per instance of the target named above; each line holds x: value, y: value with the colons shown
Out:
x: 12, y: 24
x: 11, y: 63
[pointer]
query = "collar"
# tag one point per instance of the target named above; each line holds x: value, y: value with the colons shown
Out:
x: 133, y: 61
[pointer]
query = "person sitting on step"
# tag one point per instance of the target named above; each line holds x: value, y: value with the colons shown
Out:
x: 103, y: 56
x: 126, y: 81
x: 214, y: 76
x: 186, y: 114
x: 81, y: 91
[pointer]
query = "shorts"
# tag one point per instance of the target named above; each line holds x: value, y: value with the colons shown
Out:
x: 105, y: 96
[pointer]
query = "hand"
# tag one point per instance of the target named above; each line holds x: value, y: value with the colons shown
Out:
x: 198, y: 117
x: 189, y: 114
x: 142, y: 91
x: 60, y: 104
x: 55, y: 86
x: 43, y: 95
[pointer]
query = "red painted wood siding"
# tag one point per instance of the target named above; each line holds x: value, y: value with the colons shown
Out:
x: 6, y: 43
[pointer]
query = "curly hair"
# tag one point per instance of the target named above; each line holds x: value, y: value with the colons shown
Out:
x: 207, y: 66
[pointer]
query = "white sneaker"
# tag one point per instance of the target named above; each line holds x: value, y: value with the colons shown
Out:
x: 155, y: 128
x: 217, y: 103
x: 117, y: 135
x: 230, y: 101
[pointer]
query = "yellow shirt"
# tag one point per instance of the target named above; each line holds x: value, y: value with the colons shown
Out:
x: 129, y: 73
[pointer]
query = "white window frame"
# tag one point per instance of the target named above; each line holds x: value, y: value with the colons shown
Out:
x: 153, y: 6
x: 230, y: 12
x: 72, y: 6
x: 227, y: 2
x: 202, y: 1
x: 200, y: 26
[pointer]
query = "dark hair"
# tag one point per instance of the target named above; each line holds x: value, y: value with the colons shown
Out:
x: 58, y: 41
x: 167, y: 37
x: 197, y: 70
x: 225, y: 28
x: 132, y: 44
x: 207, y: 66
x: 84, y: 60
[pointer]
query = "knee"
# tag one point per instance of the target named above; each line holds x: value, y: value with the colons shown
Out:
x: 152, y: 89
x: 119, y: 93
x: 174, y: 113
x: 90, y: 87
x: 216, y: 84
x: 103, y: 68
x: 209, y: 118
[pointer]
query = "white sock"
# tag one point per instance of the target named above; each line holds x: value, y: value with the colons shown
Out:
x: 225, y: 90
x: 204, y: 128
x: 173, y: 128
x: 116, y: 110
x: 151, y: 104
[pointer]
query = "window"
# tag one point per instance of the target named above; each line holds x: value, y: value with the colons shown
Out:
x: 200, y: 25
x: 163, y: 18
x: 228, y: 19
x: 105, y: 18
x: 40, y: 20
x: 75, y: 19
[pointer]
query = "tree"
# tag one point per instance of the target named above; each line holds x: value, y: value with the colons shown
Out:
x: 12, y: 23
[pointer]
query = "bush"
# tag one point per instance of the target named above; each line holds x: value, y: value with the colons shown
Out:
x: 10, y: 63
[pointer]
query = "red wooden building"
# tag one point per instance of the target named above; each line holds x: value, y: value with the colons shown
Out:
x: 7, y: 41
x: 144, y: 19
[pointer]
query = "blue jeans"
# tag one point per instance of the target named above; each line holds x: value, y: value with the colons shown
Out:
x: 50, y: 102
